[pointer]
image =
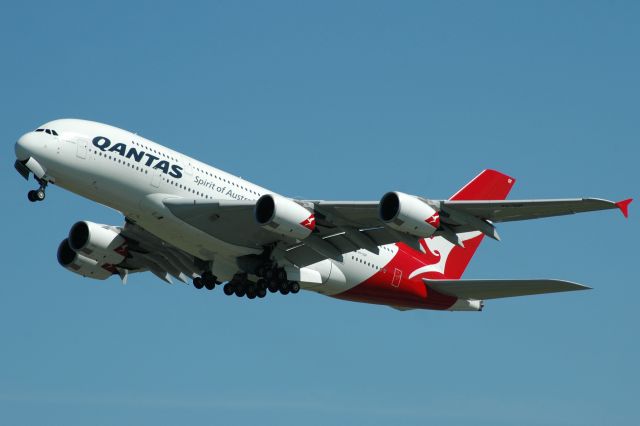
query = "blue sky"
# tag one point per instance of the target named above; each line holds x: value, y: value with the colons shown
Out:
x: 333, y: 100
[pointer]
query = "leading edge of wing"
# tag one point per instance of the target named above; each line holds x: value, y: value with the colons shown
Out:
x: 494, y: 289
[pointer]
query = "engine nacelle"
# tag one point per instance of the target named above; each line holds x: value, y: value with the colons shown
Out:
x: 98, y: 242
x: 284, y: 216
x: 79, y: 264
x: 407, y: 213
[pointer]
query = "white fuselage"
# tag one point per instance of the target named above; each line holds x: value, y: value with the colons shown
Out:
x: 132, y: 175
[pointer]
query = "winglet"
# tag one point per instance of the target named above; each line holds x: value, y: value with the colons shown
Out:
x: 624, y: 206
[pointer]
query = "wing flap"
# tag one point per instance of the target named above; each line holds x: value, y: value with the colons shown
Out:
x: 228, y: 220
x: 494, y: 289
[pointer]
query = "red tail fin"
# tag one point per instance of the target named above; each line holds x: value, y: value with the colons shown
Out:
x: 451, y: 261
x: 488, y: 185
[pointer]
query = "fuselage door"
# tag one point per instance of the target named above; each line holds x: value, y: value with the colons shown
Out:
x: 156, y: 175
x: 81, y: 148
x: 188, y: 167
x: 397, y: 277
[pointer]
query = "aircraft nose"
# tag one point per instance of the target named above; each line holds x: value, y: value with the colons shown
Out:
x: 25, y: 146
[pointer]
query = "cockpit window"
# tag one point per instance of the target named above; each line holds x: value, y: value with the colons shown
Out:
x: 48, y: 131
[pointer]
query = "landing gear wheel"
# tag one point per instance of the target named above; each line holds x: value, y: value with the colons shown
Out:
x: 273, y: 286
x: 228, y: 289
x: 31, y: 195
x: 209, y: 280
x: 269, y: 274
x: 284, y: 285
x: 252, y: 288
x: 262, y: 284
x: 295, y: 287
x: 197, y: 283
x: 262, y: 292
x: 40, y: 194
x: 239, y: 291
x: 282, y: 275
x: 284, y: 291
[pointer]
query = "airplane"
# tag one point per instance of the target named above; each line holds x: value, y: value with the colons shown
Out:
x: 192, y: 222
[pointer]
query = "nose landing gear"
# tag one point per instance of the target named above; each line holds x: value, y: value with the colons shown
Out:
x: 38, y: 194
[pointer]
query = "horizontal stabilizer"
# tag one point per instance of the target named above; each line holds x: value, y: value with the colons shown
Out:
x: 494, y: 289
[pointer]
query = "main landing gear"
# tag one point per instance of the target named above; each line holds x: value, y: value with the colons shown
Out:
x: 272, y: 279
x: 206, y: 280
x: 38, y: 194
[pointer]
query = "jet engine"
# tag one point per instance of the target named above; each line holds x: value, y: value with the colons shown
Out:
x: 284, y: 216
x: 99, y: 242
x: 409, y: 214
x: 81, y: 265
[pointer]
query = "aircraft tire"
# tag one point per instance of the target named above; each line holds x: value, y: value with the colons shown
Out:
x: 273, y: 286
x: 269, y: 274
x: 197, y: 283
x: 282, y: 274
x: 209, y: 283
x: 228, y: 289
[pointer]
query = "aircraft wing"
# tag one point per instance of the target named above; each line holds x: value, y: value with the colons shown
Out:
x: 146, y: 252
x: 228, y: 220
x: 345, y: 226
x: 340, y: 229
x: 510, y: 210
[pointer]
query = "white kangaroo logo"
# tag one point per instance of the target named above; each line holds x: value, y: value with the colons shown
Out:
x: 441, y: 248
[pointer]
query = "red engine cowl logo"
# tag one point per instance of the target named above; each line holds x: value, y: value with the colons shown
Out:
x: 434, y: 220
x: 309, y: 223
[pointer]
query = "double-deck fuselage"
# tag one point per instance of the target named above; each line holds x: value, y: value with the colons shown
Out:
x: 133, y: 175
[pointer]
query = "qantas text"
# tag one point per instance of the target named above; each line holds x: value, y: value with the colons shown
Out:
x: 104, y: 144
